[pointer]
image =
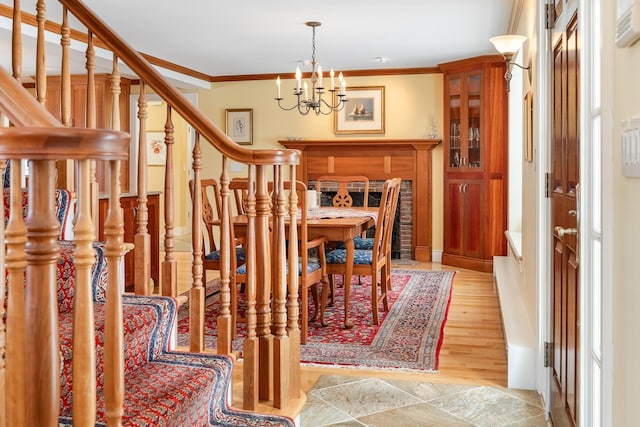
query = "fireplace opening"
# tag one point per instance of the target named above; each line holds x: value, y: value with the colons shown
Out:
x: 326, y: 199
x: 403, y: 226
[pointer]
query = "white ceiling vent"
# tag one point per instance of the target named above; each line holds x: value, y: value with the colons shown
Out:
x: 628, y: 23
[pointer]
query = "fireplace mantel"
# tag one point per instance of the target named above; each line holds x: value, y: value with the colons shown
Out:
x: 377, y: 159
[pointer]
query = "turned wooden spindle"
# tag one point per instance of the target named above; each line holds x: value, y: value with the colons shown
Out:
x: 84, y: 355
x: 114, y: 250
x: 196, y: 294
x: 41, y: 65
x: 279, y: 286
x: 43, y: 359
x: 292, y: 292
x: 142, y: 239
x: 263, y: 281
x: 250, y: 345
x: 169, y: 265
x: 224, y: 316
x: 16, y: 262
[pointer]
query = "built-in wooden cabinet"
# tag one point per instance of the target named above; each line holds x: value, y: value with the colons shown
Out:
x: 475, y: 162
x: 129, y: 203
x: 103, y: 119
x: 464, y: 202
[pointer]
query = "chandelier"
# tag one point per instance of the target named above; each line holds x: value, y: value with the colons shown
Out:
x: 316, y: 103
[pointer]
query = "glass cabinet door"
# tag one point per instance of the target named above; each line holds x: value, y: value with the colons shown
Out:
x: 464, y: 107
x: 473, y: 131
x: 455, y: 108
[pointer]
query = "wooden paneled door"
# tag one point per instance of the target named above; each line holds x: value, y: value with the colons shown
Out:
x: 465, y: 232
x: 565, y: 193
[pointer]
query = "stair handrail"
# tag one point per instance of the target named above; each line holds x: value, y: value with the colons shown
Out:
x: 20, y: 107
x: 201, y: 123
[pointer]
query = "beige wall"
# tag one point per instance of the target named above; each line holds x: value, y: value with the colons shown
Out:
x: 411, y: 103
x: 529, y: 189
x: 626, y: 238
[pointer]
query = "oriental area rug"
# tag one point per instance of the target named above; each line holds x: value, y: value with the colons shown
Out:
x: 408, y: 337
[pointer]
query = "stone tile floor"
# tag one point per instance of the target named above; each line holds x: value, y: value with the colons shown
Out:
x: 355, y: 402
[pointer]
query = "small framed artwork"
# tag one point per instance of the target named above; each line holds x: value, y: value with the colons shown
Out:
x: 363, y: 112
x: 239, y: 125
x: 156, y: 148
x: 527, y: 126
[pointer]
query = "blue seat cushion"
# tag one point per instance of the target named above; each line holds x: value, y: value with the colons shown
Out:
x: 312, y: 266
x: 359, y: 243
x: 363, y: 243
x: 360, y: 256
x: 215, y: 255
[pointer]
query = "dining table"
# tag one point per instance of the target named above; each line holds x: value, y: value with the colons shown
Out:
x: 337, y: 225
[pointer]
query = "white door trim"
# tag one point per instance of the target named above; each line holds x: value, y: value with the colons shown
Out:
x: 607, y: 22
x: 542, y: 115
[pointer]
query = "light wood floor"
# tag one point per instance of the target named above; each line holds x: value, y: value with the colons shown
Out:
x: 473, y: 351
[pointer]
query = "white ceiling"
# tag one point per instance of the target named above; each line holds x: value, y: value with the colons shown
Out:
x: 265, y: 37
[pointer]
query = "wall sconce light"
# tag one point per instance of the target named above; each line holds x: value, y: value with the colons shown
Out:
x: 508, y: 46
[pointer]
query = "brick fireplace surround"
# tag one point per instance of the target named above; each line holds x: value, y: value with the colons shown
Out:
x: 381, y: 159
x: 402, y: 228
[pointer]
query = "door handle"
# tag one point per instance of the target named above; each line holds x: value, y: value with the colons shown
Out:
x: 561, y: 231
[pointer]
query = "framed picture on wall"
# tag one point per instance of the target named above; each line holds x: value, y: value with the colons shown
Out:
x: 239, y: 125
x: 527, y: 126
x: 156, y: 148
x: 363, y: 112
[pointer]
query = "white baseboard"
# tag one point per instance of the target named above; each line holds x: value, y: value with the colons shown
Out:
x: 519, y: 333
x: 436, y: 256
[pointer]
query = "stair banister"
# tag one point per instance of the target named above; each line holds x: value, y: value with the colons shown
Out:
x: 202, y: 124
x: 20, y: 107
x: 259, y: 273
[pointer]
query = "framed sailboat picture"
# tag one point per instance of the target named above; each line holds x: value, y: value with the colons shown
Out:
x: 363, y: 112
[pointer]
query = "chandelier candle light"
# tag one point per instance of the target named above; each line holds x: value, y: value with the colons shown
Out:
x: 316, y: 103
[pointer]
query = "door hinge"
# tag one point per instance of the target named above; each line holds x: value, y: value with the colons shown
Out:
x: 550, y: 19
x: 547, y: 354
x: 548, y: 183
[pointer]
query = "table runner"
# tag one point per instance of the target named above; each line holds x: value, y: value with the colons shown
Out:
x: 330, y: 212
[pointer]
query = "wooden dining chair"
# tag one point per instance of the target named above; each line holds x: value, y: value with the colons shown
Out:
x: 374, y: 262
x: 211, y: 217
x: 239, y: 187
x: 367, y: 242
x: 343, y: 198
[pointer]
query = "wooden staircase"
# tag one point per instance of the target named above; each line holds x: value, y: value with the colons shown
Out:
x: 271, y: 348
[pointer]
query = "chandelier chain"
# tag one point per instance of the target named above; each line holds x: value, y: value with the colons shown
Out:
x: 305, y: 103
x: 313, y: 46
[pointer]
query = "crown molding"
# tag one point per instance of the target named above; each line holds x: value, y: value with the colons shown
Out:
x: 347, y: 73
x: 54, y: 27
